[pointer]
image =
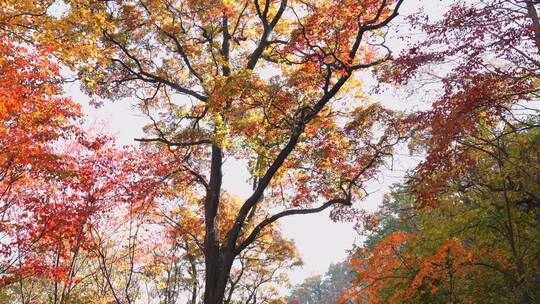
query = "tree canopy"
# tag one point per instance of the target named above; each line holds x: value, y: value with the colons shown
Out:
x: 278, y: 86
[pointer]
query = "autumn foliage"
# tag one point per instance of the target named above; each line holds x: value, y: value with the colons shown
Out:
x: 277, y: 87
x: 33, y: 119
x: 484, y: 57
x: 463, y: 228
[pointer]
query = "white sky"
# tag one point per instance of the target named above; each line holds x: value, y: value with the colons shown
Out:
x: 319, y: 240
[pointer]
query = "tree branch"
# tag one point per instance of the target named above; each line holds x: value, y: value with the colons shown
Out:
x: 268, y: 221
x: 268, y: 27
x: 175, y: 144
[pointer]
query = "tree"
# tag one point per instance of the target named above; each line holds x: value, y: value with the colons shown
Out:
x: 324, y: 290
x: 201, y: 70
x: 54, y: 226
x: 484, y: 55
x: 57, y: 182
x: 480, y: 241
x: 463, y: 245
x: 32, y: 119
x: 395, y: 214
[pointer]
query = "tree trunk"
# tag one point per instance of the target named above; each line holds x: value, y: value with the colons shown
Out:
x: 217, y: 278
x: 533, y: 14
x: 218, y: 260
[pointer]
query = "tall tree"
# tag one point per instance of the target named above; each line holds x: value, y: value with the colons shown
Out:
x: 267, y: 82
